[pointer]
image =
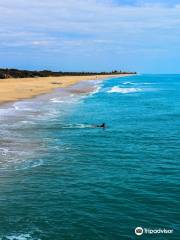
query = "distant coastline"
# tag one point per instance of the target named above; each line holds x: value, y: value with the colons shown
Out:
x: 14, y: 88
x: 16, y: 73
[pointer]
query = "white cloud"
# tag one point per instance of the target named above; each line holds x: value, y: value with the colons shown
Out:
x: 52, y: 25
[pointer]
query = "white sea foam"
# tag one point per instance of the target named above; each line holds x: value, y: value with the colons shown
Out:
x: 23, y: 106
x: 96, y: 90
x: 148, y: 83
x: 29, y: 164
x: 127, y: 83
x: 16, y: 107
x: 117, y: 89
x: 137, y: 83
x: 66, y: 100
x: 57, y: 100
x: 19, y: 237
x: 4, y: 151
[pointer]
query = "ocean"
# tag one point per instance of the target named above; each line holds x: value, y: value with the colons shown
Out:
x: 61, y: 178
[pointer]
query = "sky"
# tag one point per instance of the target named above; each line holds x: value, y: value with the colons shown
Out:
x: 91, y: 35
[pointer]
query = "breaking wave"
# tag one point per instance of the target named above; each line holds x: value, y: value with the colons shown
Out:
x: 127, y: 83
x: 117, y: 89
x: 19, y: 237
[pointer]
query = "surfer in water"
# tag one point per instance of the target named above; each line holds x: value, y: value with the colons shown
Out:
x: 103, y: 125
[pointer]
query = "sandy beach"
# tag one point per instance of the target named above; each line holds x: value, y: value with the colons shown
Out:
x: 14, y: 89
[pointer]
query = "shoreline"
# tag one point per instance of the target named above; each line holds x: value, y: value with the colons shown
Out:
x: 17, y: 89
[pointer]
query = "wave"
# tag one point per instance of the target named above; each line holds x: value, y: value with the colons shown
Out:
x: 66, y: 101
x: 137, y: 83
x: 23, y: 106
x: 117, y: 89
x: 4, y: 151
x: 29, y: 164
x: 12, y: 161
x: 57, y: 100
x: 128, y: 83
x: 74, y: 98
x: 96, y: 90
x: 19, y: 237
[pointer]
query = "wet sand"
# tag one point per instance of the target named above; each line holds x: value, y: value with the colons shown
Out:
x: 14, y: 89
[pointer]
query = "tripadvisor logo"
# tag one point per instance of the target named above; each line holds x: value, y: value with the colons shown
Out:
x: 139, y: 231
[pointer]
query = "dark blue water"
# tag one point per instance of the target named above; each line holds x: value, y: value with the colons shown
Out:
x: 61, y: 178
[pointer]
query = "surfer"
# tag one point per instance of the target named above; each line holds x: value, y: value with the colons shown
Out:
x: 103, y: 125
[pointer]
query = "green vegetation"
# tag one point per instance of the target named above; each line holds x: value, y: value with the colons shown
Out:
x: 15, y: 73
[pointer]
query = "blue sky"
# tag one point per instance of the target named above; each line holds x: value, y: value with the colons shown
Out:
x: 91, y: 35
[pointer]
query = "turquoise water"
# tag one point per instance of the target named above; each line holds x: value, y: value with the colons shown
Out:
x: 61, y: 178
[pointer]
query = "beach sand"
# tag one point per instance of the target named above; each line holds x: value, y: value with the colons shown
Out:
x: 14, y: 89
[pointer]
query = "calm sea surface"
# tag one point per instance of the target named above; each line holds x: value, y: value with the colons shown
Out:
x: 63, y: 179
